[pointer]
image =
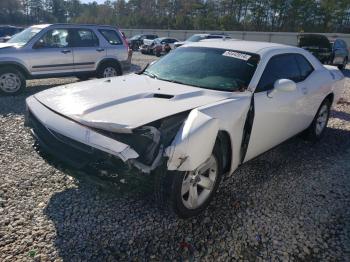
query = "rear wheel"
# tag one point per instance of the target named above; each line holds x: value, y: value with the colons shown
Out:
x: 319, y: 124
x: 188, y: 193
x: 109, y: 69
x: 12, y: 81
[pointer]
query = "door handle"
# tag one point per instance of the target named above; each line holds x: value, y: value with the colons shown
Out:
x: 66, y: 51
x: 100, y: 49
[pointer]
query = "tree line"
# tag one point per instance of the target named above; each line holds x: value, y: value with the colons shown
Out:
x: 250, y: 15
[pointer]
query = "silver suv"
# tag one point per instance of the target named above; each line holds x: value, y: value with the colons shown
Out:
x: 43, y: 51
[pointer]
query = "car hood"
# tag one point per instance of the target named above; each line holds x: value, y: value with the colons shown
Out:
x: 123, y: 103
x: 8, y: 45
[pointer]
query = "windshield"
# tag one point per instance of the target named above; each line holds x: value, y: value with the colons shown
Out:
x: 196, y: 38
x: 208, y: 68
x: 23, y: 37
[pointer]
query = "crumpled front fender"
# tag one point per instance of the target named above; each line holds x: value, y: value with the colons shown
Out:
x: 193, y: 143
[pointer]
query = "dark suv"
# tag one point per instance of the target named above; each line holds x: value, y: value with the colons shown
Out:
x: 318, y: 45
x: 136, y: 41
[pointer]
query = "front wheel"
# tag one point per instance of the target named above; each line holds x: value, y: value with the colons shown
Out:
x: 188, y: 193
x: 318, y: 126
x: 12, y: 81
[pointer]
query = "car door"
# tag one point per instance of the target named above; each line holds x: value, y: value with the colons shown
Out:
x: 87, y: 51
x: 52, y: 53
x: 115, y: 46
x: 277, y: 115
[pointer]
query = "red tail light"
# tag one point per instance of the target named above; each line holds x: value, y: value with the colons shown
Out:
x: 125, y: 41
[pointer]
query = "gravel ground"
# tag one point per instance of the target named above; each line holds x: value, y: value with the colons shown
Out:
x: 292, y: 203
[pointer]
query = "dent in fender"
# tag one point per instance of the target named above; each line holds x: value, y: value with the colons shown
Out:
x: 193, y: 143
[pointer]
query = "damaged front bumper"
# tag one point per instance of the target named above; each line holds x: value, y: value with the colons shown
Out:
x: 79, y: 146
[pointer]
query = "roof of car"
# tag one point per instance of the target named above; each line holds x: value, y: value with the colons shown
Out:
x: 241, y: 45
x: 73, y: 25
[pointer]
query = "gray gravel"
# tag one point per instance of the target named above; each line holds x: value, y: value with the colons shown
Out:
x: 292, y: 203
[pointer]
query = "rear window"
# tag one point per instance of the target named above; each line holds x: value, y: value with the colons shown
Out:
x: 111, y: 36
x: 85, y: 38
x: 305, y: 67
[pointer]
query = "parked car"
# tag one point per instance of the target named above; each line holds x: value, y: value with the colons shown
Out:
x: 200, y: 37
x: 318, y: 45
x: 6, y: 32
x: 158, y: 46
x: 340, y: 53
x: 187, y: 123
x: 61, y: 50
x: 136, y: 41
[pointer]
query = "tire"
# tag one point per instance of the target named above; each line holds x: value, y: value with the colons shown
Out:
x: 135, y: 47
x: 83, y: 77
x: 12, y: 81
x: 171, y: 188
x: 343, y: 66
x: 316, y: 130
x: 109, y: 69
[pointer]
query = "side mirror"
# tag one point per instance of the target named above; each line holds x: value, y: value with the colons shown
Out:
x: 282, y: 85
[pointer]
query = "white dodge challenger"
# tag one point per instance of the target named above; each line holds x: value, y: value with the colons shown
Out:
x: 191, y: 117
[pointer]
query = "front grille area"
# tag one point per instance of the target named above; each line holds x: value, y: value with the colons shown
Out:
x: 71, y: 152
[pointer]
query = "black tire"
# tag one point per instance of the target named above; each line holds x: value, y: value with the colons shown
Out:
x: 311, y: 133
x: 135, y: 47
x: 16, y: 76
x: 168, y: 186
x: 106, y: 65
x: 345, y: 62
x: 83, y: 77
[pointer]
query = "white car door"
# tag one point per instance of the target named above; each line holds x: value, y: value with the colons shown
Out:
x: 277, y: 115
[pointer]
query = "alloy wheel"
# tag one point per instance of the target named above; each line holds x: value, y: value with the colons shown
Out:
x: 198, y: 185
x: 322, y: 118
x: 109, y: 72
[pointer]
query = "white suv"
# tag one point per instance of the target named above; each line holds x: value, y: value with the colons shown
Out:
x: 43, y: 51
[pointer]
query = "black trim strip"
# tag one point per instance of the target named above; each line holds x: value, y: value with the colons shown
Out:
x: 59, y: 65
x: 247, y: 130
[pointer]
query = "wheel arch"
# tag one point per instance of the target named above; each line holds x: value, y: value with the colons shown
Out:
x: 110, y: 60
x: 18, y: 66
x: 225, y: 144
x: 330, y: 97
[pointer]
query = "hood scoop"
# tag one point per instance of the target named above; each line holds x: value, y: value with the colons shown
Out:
x: 163, y: 96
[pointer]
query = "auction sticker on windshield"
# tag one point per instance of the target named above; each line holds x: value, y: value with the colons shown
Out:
x: 237, y: 55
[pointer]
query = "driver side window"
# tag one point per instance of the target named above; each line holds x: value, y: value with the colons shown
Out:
x: 279, y: 67
x: 56, y: 38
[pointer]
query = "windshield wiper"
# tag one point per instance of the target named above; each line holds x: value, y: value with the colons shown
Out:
x: 147, y: 73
